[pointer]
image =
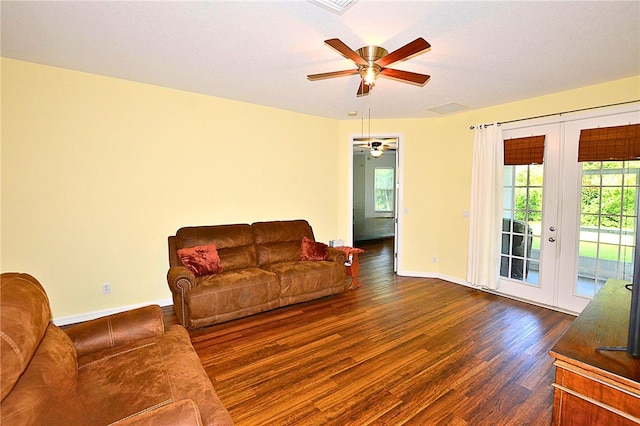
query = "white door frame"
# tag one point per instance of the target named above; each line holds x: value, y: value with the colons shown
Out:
x: 399, y: 191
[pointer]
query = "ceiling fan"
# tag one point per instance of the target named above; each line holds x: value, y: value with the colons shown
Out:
x: 372, y: 61
x: 375, y: 146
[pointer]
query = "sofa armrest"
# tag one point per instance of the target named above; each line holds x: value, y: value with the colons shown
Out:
x: 180, y: 279
x: 180, y: 413
x: 335, y: 255
x: 117, y: 329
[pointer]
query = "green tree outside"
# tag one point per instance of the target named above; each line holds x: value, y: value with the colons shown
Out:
x: 608, y: 199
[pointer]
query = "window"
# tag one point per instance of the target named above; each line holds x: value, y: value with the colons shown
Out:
x: 609, y: 204
x: 521, y: 223
x: 522, y: 208
x: 607, y: 223
x: 383, y: 188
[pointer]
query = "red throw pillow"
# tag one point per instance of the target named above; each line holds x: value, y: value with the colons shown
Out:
x: 312, y: 250
x: 201, y: 260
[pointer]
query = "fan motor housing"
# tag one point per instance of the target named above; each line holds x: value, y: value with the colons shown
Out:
x: 371, y: 54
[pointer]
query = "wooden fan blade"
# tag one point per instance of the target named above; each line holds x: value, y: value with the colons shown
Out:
x: 324, y: 75
x: 363, y: 89
x: 416, y: 46
x: 345, y: 51
x: 406, y: 76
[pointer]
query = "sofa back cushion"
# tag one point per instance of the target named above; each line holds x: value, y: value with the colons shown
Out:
x: 235, y: 243
x: 280, y: 241
x: 46, y: 392
x: 24, y: 318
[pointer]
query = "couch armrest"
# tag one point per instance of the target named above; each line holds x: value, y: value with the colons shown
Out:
x: 180, y: 279
x: 335, y: 255
x: 117, y: 329
x: 180, y: 413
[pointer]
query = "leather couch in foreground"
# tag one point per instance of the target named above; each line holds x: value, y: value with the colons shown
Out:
x: 219, y: 273
x: 122, y: 369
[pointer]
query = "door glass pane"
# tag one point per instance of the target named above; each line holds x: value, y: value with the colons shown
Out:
x: 608, y: 210
x: 522, y: 223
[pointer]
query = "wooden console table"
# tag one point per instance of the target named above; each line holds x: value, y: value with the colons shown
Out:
x: 597, y: 387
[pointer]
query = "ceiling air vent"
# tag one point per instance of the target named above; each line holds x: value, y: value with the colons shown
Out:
x: 448, y: 108
x: 336, y: 6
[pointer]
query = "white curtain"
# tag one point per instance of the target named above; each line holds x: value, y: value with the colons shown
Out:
x: 486, y: 207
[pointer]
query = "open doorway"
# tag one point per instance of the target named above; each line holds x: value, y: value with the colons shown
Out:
x: 375, y: 184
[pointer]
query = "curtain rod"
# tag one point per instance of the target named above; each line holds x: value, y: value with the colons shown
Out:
x: 555, y: 113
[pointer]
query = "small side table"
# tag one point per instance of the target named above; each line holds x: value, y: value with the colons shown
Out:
x: 352, y: 264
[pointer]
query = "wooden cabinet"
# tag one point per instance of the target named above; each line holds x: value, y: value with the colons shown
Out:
x: 596, y: 387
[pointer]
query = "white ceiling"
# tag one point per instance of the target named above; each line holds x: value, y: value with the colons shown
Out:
x: 483, y: 53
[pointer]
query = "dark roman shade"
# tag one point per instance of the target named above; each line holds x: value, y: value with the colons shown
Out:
x: 527, y: 150
x: 610, y: 143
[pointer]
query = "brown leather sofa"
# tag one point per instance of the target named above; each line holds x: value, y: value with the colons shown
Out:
x: 122, y: 369
x: 262, y: 269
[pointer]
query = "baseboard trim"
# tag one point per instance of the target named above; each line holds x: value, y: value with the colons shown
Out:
x: 422, y: 274
x: 467, y: 284
x: 75, y: 319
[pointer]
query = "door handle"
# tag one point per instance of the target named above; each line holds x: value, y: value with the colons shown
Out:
x: 552, y: 240
x: 552, y: 228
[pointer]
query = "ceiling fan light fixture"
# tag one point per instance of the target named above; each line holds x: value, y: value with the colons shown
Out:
x: 376, y: 149
x: 376, y: 153
x: 369, y: 75
x: 371, y: 70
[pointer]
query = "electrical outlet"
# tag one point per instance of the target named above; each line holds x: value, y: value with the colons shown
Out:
x: 106, y: 288
x: 434, y: 259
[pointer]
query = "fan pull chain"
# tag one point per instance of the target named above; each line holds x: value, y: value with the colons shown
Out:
x: 362, y: 112
x: 370, y: 96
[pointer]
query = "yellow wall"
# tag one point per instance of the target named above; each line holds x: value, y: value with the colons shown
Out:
x: 97, y: 172
x: 437, y: 172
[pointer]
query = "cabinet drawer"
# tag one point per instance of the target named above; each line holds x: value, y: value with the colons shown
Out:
x: 581, y: 388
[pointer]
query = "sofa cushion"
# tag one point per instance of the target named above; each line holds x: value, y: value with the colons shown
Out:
x: 201, y: 260
x: 302, y: 281
x: 183, y: 413
x: 129, y: 380
x: 24, y: 318
x: 280, y: 241
x: 46, y: 391
x: 232, y: 294
x: 238, y: 257
x: 188, y: 378
x: 271, y: 253
x: 117, y: 329
x: 234, y: 243
x: 312, y: 250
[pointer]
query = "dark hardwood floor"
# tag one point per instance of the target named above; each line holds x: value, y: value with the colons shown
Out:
x: 396, y: 351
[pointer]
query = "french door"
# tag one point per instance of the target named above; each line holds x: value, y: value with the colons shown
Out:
x: 598, y: 235
x: 567, y: 225
x: 531, y: 194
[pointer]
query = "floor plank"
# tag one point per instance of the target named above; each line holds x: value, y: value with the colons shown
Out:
x: 399, y: 350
